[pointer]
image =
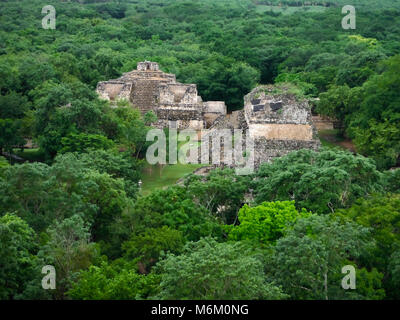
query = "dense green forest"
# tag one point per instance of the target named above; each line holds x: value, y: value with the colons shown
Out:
x: 75, y: 203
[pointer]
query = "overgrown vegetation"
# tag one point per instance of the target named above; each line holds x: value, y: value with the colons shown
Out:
x: 284, y: 232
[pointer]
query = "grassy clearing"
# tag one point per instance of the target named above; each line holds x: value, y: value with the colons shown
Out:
x: 331, y: 139
x: 157, y: 177
x: 34, y: 154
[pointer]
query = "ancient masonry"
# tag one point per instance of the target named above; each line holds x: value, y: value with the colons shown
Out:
x: 276, y: 120
x: 176, y: 105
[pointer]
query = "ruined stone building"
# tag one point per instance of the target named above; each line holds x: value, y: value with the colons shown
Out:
x: 176, y: 105
x: 276, y: 120
x: 279, y: 122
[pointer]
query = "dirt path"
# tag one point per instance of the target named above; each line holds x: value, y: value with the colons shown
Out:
x: 347, y: 144
x: 331, y: 137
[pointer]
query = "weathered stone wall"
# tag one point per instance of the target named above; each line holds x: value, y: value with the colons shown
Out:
x: 174, y: 114
x: 278, y: 131
x: 147, y: 65
x: 178, y: 118
x: 114, y: 90
x: 209, y: 119
x: 276, y: 114
x: 212, y: 110
x: 266, y: 150
x: 262, y: 105
x: 178, y: 93
x: 144, y: 94
x: 214, y: 107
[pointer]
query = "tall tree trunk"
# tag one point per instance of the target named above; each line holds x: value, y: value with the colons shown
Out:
x: 326, y: 285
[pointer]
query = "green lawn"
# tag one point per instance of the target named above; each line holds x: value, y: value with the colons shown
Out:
x: 157, y: 177
x: 330, y: 138
x: 34, y: 154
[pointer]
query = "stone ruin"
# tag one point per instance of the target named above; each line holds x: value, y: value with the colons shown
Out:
x: 276, y: 120
x: 176, y: 105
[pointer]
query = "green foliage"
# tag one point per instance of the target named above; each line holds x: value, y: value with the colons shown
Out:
x: 382, y: 215
x: 394, y: 268
x: 265, y: 223
x: 69, y: 117
x: 336, y: 102
x: 133, y: 128
x: 10, y: 135
x: 41, y: 194
x: 13, y: 106
x: 16, y: 255
x: 108, y: 195
x: 211, y: 270
x: 381, y: 141
x: 116, y: 164
x: 34, y: 193
x: 110, y: 282
x: 69, y: 250
x: 174, y: 208
x: 369, y: 285
x: 391, y: 180
x: 82, y: 142
x: 47, y: 94
x: 3, y: 163
x: 370, y: 110
x: 305, y: 264
x: 318, y: 181
x: 221, y: 192
x: 147, y: 247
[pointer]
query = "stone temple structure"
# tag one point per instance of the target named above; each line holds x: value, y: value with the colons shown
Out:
x: 176, y: 105
x: 276, y: 120
x: 279, y: 122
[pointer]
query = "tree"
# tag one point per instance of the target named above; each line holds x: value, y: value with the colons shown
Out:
x: 109, y: 197
x: 307, y: 261
x: 116, y: 164
x: 381, y: 141
x: 174, y: 208
x: 71, y: 111
x: 391, y: 180
x: 17, y: 258
x: 265, y: 223
x: 318, y: 181
x: 113, y: 282
x: 147, y: 247
x: 381, y: 214
x: 69, y: 250
x: 211, y: 270
x: 3, y: 163
x: 334, y: 102
x: 222, y: 192
x: 369, y: 112
x: 133, y: 128
x: 34, y: 70
x: 33, y: 192
x: 82, y: 142
x: 10, y: 135
x: 13, y: 106
x: 394, y: 269
x: 100, y: 191
x: 41, y: 194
